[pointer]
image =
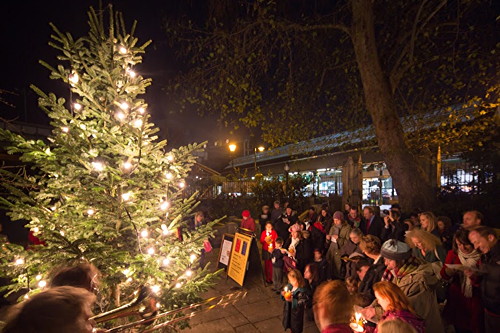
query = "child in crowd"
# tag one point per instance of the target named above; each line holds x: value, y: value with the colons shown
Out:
x: 322, y: 265
x: 247, y: 221
x: 352, y: 284
x: 311, y: 276
x: 267, y: 239
x: 277, y: 262
x: 295, y: 296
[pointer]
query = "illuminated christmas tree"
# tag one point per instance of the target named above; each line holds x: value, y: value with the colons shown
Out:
x: 102, y: 187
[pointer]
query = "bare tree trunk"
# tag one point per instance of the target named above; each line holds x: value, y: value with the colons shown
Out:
x: 414, y: 191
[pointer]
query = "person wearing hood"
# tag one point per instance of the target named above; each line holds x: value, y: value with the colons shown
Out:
x: 417, y: 281
x: 337, y: 237
x: 247, y: 221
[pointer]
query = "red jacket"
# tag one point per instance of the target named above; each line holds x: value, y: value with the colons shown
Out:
x: 464, y: 313
x: 249, y: 224
x: 265, y: 245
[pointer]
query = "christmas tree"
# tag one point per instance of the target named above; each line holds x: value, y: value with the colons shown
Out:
x: 103, y: 187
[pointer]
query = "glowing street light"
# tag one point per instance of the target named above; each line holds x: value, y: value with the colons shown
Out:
x: 232, y: 147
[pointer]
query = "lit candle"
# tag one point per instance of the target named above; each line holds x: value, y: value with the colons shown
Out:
x: 357, y: 326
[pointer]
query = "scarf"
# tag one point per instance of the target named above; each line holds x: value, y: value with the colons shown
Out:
x: 470, y: 261
x: 408, y: 267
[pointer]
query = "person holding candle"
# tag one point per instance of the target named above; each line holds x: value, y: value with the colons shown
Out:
x: 267, y: 239
x: 417, y: 280
x: 247, y: 222
x: 396, y: 305
x: 295, y: 296
x: 333, y: 307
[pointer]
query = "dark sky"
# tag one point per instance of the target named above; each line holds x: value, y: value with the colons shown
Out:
x: 25, y: 33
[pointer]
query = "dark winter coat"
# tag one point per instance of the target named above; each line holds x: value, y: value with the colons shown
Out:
x: 490, y: 280
x: 372, y: 276
x: 293, y: 312
x: 300, y: 255
x: 347, y: 249
x: 278, y: 258
x: 375, y: 227
x: 395, y: 230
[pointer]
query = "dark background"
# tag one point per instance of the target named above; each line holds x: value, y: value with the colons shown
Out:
x: 24, y: 36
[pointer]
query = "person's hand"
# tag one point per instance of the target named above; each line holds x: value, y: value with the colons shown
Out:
x: 335, y: 237
x: 328, y: 237
x: 387, y: 220
x: 449, y: 271
x: 283, y: 251
x: 368, y: 312
x: 469, y: 273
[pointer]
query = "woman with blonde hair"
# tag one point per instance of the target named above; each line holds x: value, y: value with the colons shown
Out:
x: 425, y: 246
x: 428, y: 222
x: 396, y: 305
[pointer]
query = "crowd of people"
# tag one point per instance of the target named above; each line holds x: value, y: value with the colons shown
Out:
x: 419, y: 273
x: 349, y: 272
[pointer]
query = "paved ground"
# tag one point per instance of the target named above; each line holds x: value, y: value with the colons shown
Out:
x: 260, y: 310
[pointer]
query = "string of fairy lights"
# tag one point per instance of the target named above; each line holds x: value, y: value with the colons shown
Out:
x: 122, y: 114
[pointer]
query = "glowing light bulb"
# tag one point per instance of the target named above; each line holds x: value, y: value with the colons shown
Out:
x: 26, y: 296
x: 126, y: 271
x: 20, y: 261
x: 165, y: 205
x: 42, y: 283
x: 98, y: 166
x: 38, y: 277
x: 189, y: 273
x: 137, y: 123
x: 151, y: 251
x: 90, y: 212
x: 182, y: 184
x: 169, y: 176
x: 129, y: 280
x: 131, y: 73
x: 122, y: 50
x: 73, y: 78
x: 178, y: 285
x: 127, y: 165
x: 120, y: 115
x: 144, y: 233
x: 192, y: 258
x: 170, y: 157
x: 53, y: 208
x: 77, y: 106
x: 65, y: 129
x: 166, y: 262
x: 36, y: 230
x: 126, y: 196
x: 165, y: 232
x: 62, y: 233
x: 141, y: 110
x: 124, y: 106
x: 155, y: 289
x: 158, y: 305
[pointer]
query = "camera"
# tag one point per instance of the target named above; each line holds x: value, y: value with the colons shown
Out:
x: 386, y: 212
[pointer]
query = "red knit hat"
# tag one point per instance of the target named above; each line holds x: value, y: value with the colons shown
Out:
x: 245, y: 213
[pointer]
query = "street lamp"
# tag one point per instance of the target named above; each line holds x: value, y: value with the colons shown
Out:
x: 232, y: 149
x: 260, y: 149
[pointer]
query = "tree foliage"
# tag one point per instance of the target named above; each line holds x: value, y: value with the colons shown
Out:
x: 103, y: 188
x: 287, y: 69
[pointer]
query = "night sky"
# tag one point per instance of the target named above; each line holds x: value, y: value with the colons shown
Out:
x: 25, y: 33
